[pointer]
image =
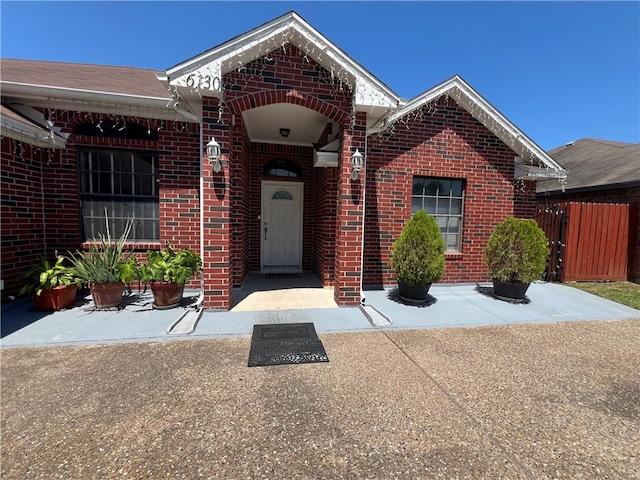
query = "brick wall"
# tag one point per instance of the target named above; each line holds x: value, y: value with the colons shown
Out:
x: 41, y: 227
x: 444, y: 142
x: 241, y: 220
x: 23, y: 233
x: 618, y: 195
x: 325, y: 224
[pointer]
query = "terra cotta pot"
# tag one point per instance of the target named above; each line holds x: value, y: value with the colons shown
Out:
x: 166, y: 294
x: 107, y: 295
x: 56, y: 298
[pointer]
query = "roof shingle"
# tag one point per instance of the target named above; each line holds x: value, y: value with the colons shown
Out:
x: 95, y: 78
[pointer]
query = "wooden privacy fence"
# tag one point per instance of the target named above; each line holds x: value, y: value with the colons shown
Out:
x: 588, y: 241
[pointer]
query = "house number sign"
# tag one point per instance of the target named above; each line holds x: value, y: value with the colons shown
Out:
x: 203, y: 82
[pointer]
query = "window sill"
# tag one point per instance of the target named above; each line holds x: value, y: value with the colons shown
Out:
x: 133, y: 246
x: 453, y: 255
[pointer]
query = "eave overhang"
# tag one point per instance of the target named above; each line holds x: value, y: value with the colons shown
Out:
x: 105, y: 103
x: 290, y: 28
x: 533, y: 164
x: 30, y: 131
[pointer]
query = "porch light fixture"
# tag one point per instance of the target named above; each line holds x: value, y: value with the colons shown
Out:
x: 284, y: 132
x: 213, y: 152
x: 356, y: 164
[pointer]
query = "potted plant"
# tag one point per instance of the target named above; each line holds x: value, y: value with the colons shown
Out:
x: 516, y: 254
x: 167, y: 271
x: 53, y: 286
x: 418, y: 257
x: 105, y: 268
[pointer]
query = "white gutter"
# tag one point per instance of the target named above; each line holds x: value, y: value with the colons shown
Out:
x: 32, y: 135
x: 100, y: 102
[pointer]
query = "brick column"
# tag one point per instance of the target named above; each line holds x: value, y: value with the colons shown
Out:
x: 350, y: 211
x: 216, y: 208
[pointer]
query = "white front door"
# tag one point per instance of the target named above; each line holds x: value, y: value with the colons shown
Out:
x: 281, y: 233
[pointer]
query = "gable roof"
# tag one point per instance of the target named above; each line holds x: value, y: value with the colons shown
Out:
x: 288, y: 28
x: 531, y: 155
x: 595, y: 164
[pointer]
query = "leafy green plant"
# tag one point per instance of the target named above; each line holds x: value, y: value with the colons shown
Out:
x: 517, y: 251
x: 170, y: 265
x: 47, y: 276
x: 106, y: 261
x: 418, y: 253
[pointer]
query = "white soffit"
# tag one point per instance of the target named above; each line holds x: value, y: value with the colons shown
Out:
x: 263, y: 124
x: 491, y: 118
x: 202, y: 74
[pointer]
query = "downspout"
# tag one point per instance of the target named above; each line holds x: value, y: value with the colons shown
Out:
x: 198, y: 304
x: 364, y: 214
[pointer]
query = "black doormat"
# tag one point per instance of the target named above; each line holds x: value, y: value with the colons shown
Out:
x: 283, y: 275
x: 285, y: 344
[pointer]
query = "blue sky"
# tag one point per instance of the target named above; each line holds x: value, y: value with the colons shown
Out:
x: 560, y: 71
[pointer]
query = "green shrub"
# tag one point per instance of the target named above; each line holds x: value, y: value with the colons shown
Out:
x: 418, y: 253
x: 517, y: 251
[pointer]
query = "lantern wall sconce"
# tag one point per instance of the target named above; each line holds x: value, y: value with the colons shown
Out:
x: 213, y: 152
x: 357, y: 160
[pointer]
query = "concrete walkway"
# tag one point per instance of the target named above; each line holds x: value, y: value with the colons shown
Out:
x: 448, y: 306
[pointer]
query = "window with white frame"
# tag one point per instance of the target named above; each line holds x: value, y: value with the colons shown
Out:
x: 120, y: 185
x: 443, y: 199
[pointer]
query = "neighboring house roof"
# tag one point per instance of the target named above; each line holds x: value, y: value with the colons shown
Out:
x: 531, y: 155
x: 16, y: 125
x: 594, y: 164
x: 102, y: 89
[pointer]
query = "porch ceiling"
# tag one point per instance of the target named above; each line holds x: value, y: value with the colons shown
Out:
x: 263, y: 124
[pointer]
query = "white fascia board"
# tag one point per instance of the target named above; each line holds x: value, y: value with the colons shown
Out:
x: 289, y: 28
x: 489, y: 116
x: 91, y: 101
x: 32, y: 135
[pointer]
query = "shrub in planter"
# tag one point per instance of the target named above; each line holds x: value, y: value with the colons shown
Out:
x: 167, y: 271
x: 417, y: 257
x: 105, y: 268
x: 53, y: 286
x: 516, y: 254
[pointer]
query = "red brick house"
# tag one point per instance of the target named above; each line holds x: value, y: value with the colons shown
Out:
x: 294, y: 117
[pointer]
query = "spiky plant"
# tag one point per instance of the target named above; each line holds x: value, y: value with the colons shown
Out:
x: 106, y: 261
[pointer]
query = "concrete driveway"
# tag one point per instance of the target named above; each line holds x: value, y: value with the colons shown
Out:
x: 525, y: 401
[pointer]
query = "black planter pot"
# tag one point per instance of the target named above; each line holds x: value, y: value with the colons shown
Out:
x: 511, y: 292
x: 413, y: 293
